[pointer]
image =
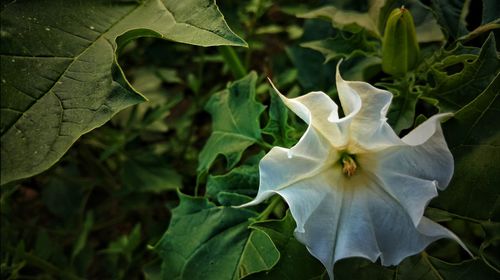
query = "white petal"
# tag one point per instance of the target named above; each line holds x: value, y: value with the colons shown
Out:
x: 282, y: 167
x: 318, y: 109
x: 307, y: 196
x: 358, y: 219
x: 426, y: 130
x: 413, y: 194
x: 367, y: 107
x: 426, y: 156
x: 336, y: 229
x: 395, y: 232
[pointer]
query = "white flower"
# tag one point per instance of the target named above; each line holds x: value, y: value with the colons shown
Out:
x: 354, y: 188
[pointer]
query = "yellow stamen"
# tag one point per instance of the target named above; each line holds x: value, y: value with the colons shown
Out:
x: 349, y: 166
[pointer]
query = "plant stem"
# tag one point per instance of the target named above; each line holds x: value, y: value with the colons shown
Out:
x: 269, y: 209
x: 233, y: 61
x: 265, y: 145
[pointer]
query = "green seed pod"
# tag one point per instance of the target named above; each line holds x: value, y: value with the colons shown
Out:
x: 399, y: 47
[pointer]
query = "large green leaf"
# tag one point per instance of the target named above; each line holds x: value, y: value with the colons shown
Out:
x: 60, y: 78
x: 474, y: 139
x: 295, y: 261
x: 460, y: 77
x: 209, y: 242
x: 235, y: 116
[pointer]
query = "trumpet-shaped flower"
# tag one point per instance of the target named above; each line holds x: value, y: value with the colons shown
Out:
x: 354, y: 188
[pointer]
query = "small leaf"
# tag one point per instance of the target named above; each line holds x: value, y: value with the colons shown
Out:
x: 241, y: 180
x: 278, y: 126
x: 259, y: 254
x: 401, y: 113
x: 235, y: 117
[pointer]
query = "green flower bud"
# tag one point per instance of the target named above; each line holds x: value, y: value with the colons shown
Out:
x: 399, y: 47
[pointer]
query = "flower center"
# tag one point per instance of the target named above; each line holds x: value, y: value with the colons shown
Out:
x: 349, y: 165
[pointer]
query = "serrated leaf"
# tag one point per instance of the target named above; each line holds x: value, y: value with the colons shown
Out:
x: 232, y: 199
x: 343, y: 45
x: 235, y: 118
x: 456, y: 89
x: 295, y: 261
x: 241, y: 180
x: 60, y: 77
x: 208, y: 242
x: 474, y: 140
x: 401, y: 113
x: 278, y: 126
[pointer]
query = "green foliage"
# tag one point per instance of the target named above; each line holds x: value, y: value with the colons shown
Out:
x: 278, y: 126
x: 459, y: 77
x: 352, y: 21
x: 108, y: 209
x: 66, y: 82
x: 474, y: 138
x: 402, y: 111
x: 199, y: 230
x: 427, y: 267
x: 293, y: 254
x: 451, y: 16
x: 243, y: 180
x: 146, y: 172
x: 343, y: 45
x: 235, y: 115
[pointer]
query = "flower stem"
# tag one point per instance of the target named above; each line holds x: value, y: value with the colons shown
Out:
x: 265, y: 145
x: 233, y: 61
x: 269, y: 209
